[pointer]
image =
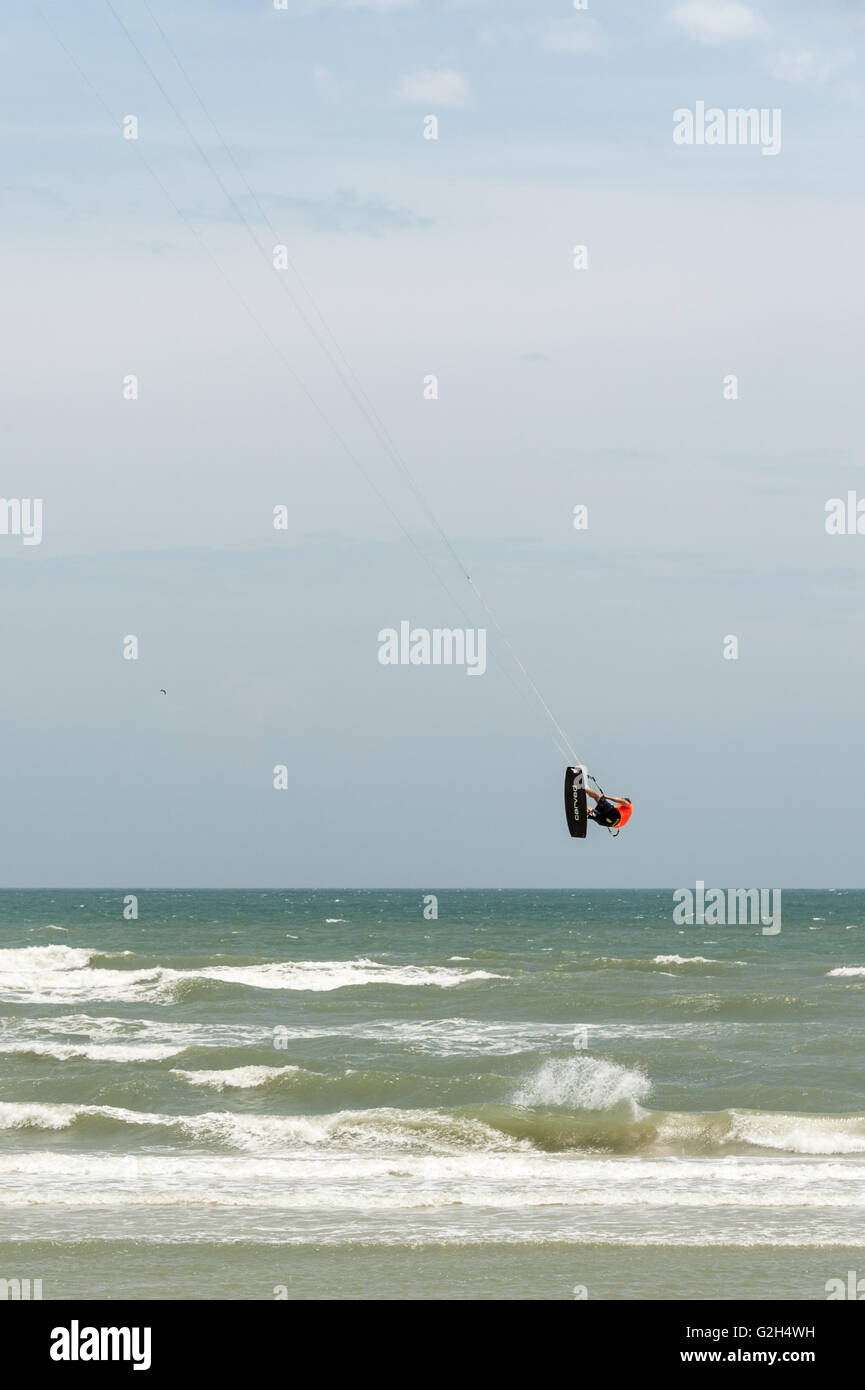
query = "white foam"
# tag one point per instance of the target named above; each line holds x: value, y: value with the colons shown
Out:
x: 87, y: 1034
x: 104, y: 1036
x: 39, y: 1115
x: 234, y: 1078
x: 848, y: 970
x: 318, y: 976
x: 693, y: 960
x: 61, y: 974
x: 533, y: 1187
x: 800, y: 1134
x: 95, y: 1052
x: 42, y: 958
x: 32, y: 1115
x: 583, y: 1083
x: 380, y: 1130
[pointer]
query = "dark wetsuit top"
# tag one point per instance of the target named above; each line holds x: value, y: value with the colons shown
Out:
x: 606, y: 813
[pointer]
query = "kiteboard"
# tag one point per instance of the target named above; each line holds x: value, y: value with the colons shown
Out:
x: 576, y: 810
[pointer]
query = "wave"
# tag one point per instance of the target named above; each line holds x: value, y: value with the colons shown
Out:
x: 93, y: 1052
x: 616, y: 1129
x: 333, y: 1090
x: 693, y: 960
x: 65, y: 974
x: 645, y: 1132
x: 683, y: 960
x: 711, y: 965
x: 384, y: 1129
x: 800, y: 1134
x: 328, y: 975
x: 848, y: 970
x: 43, y: 958
x: 584, y: 1083
x: 517, y: 1181
x: 89, y: 1033
x: 756, y: 1007
x: 238, y: 1078
x: 107, y: 1038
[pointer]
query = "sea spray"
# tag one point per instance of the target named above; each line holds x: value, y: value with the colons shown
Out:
x: 584, y: 1083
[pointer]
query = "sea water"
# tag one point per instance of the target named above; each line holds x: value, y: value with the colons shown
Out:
x: 330, y: 1095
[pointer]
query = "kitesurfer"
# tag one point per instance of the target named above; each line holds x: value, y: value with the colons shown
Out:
x: 610, y: 811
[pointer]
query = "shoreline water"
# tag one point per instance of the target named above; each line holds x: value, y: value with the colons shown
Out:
x: 328, y: 1092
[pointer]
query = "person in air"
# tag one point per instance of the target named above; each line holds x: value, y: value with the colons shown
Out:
x: 610, y: 811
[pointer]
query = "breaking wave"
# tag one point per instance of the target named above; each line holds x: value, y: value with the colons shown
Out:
x: 64, y: 974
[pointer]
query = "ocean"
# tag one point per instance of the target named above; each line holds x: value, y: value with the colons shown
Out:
x: 329, y: 1095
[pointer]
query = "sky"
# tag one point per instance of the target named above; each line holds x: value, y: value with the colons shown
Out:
x: 606, y: 386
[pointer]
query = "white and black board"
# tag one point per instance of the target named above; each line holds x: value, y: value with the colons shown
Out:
x: 576, y: 810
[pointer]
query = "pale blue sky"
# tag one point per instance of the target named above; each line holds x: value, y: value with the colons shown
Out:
x: 556, y: 387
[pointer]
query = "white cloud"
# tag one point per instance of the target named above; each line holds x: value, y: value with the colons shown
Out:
x: 577, y: 35
x: 380, y: 4
x: 326, y: 84
x: 718, y: 21
x: 793, y: 67
x: 442, y: 88
x: 803, y: 66
x: 298, y: 8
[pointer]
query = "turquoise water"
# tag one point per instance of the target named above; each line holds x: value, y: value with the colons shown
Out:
x: 328, y: 1094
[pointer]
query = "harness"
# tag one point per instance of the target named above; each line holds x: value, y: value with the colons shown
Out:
x: 608, y: 815
x: 606, y: 812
